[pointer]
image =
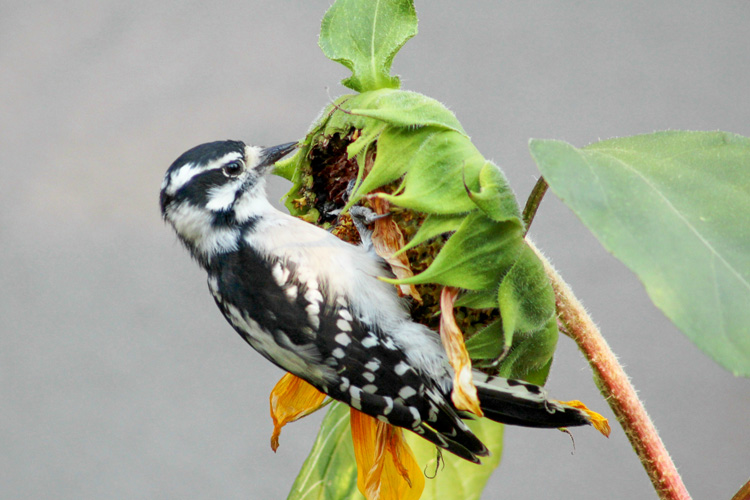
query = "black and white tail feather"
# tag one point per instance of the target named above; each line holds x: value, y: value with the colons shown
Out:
x: 313, y: 304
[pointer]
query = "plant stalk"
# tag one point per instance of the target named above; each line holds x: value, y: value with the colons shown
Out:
x: 616, y: 388
x: 744, y: 493
x: 533, y: 202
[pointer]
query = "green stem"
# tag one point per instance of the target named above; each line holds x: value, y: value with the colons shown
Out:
x: 532, y: 203
x: 616, y: 388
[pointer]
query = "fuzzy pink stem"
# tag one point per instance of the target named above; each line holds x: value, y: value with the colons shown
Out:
x: 617, y: 390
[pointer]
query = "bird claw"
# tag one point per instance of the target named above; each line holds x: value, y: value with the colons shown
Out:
x: 363, y: 217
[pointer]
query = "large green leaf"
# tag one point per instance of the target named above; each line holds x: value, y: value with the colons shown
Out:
x: 364, y: 36
x: 675, y: 208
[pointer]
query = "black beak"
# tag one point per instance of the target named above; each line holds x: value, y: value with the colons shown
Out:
x: 269, y: 156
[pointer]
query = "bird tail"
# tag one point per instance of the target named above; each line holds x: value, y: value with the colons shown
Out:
x: 515, y: 402
x: 507, y: 401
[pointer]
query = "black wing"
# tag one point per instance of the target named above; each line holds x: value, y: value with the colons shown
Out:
x: 301, y: 327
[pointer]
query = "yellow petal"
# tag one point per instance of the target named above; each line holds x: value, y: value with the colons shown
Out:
x: 386, y: 467
x: 388, y: 239
x: 291, y: 399
x: 464, y: 394
x: 599, y: 422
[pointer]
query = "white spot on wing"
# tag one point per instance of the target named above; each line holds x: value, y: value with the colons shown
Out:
x: 312, y: 311
x: 280, y: 274
x: 369, y: 341
x: 344, y: 326
x: 344, y: 384
x: 388, y: 405
x: 372, y: 365
x: 343, y: 339
x: 313, y: 295
x: 406, y: 392
x: 213, y: 284
x: 356, y: 394
x: 401, y: 368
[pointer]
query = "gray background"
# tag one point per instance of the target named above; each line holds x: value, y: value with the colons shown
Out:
x: 120, y: 379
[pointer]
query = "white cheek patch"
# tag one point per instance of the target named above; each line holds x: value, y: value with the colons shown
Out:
x: 221, y: 197
x: 252, y: 203
x: 194, y: 225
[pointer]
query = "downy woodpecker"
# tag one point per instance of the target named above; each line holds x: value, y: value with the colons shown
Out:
x: 314, y: 306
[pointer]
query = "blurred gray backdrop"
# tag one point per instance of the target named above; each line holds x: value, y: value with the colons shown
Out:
x: 118, y: 376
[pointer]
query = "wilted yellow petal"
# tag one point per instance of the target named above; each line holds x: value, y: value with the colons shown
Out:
x: 464, y: 394
x: 291, y: 399
x: 599, y: 422
x: 388, y: 239
x: 386, y: 467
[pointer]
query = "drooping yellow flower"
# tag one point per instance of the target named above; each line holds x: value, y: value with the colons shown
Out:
x: 291, y: 399
x: 386, y: 467
x: 464, y: 394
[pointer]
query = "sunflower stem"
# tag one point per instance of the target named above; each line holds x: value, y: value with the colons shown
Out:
x: 616, y: 388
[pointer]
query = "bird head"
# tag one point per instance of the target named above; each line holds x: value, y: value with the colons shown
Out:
x: 212, y: 190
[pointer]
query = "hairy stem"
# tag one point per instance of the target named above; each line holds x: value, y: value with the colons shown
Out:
x: 616, y: 389
x: 532, y: 203
x: 744, y: 493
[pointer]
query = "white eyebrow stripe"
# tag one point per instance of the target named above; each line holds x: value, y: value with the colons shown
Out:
x: 180, y: 177
x: 184, y: 174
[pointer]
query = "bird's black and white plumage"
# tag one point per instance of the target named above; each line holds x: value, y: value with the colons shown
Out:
x: 313, y: 304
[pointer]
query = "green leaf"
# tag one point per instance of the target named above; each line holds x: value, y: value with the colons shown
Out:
x: 530, y: 353
x: 436, y: 171
x: 526, y: 298
x: 673, y: 206
x: 402, y: 108
x: 476, y: 255
x: 432, y: 227
x: 528, y: 325
x: 482, y: 299
x: 364, y: 36
x: 487, y: 343
x: 330, y: 470
x: 395, y: 155
x: 495, y: 198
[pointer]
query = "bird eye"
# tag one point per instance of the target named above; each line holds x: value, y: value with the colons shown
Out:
x: 232, y: 169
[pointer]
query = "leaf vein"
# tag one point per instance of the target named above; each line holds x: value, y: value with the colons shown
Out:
x: 685, y: 221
